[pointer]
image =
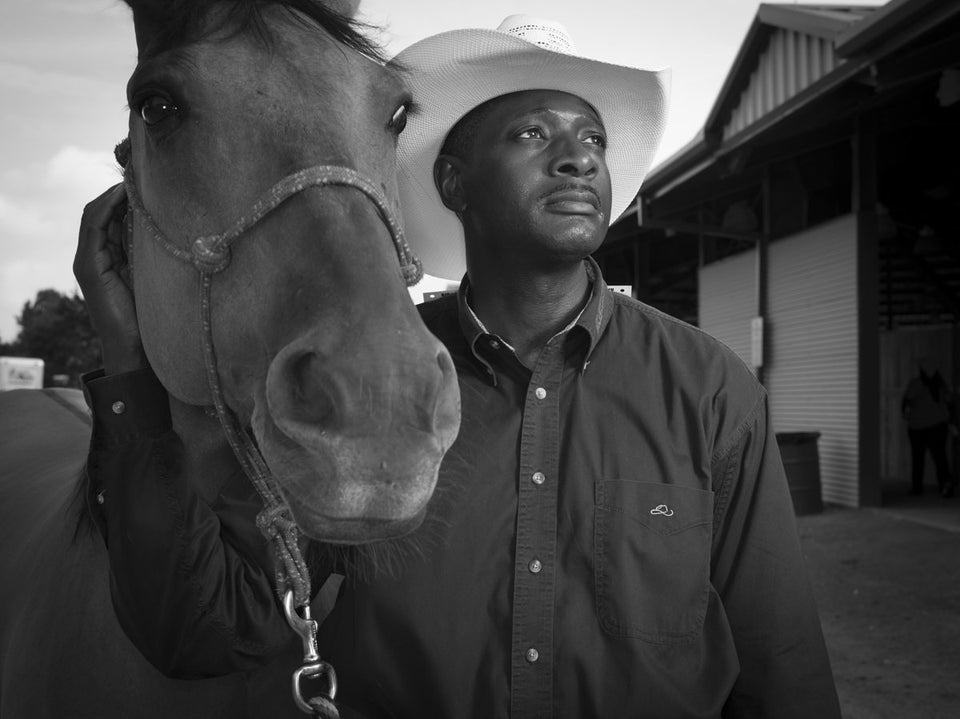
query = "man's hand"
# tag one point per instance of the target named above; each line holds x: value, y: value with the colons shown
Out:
x: 101, y: 269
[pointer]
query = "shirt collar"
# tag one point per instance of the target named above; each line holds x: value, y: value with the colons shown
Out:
x: 593, y: 318
x: 596, y: 315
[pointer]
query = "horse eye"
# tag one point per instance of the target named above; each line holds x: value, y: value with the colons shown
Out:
x: 399, y: 119
x: 157, y: 109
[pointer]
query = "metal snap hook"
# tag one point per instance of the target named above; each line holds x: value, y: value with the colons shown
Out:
x: 304, y: 626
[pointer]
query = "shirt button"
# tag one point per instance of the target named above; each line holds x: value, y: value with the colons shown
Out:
x: 494, y: 344
x: 535, y: 566
x: 118, y: 407
x: 540, y: 392
x: 532, y: 655
x: 99, y: 497
x: 538, y: 478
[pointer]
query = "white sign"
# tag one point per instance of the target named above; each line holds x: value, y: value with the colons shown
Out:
x: 756, y: 341
x: 21, y: 373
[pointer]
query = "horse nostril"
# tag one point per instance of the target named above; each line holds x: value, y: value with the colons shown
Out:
x: 447, y: 412
x: 445, y: 363
x: 385, y: 390
x: 309, y: 401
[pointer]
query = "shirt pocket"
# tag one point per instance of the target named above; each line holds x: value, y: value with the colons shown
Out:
x: 652, y: 558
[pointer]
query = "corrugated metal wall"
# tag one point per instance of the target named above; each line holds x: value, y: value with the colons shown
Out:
x: 811, y: 349
x: 791, y: 62
x: 812, y: 368
x: 726, y: 301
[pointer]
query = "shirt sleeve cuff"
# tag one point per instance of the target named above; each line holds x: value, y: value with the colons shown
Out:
x: 127, y: 406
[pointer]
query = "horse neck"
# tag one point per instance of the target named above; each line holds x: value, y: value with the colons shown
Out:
x: 208, y: 462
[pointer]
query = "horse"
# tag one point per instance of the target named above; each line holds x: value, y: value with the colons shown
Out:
x: 268, y: 271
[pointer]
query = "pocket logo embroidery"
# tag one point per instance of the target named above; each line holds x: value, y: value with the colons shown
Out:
x: 662, y: 509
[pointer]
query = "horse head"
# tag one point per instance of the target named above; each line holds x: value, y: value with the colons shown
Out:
x: 268, y: 130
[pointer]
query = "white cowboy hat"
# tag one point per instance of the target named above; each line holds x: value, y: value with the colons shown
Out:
x: 453, y: 72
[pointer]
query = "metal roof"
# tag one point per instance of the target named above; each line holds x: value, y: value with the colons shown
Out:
x: 812, y: 27
x: 791, y: 55
x: 898, y: 21
x: 787, y: 48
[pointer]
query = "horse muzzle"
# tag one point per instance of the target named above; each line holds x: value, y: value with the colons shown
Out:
x: 354, y: 439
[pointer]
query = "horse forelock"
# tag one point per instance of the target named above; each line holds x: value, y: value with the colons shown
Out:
x: 180, y: 22
x: 175, y: 23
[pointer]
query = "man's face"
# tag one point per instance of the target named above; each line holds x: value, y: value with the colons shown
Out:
x: 535, y: 184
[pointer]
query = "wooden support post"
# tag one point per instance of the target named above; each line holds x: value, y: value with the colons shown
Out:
x: 954, y: 440
x: 864, y: 205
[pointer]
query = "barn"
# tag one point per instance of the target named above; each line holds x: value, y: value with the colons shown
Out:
x: 813, y: 224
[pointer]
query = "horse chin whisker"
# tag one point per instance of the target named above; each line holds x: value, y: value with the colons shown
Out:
x: 363, y: 563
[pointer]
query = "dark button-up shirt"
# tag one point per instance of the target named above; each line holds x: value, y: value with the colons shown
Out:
x: 616, y: 539
x: 612, y: 535
x: 190, y: 578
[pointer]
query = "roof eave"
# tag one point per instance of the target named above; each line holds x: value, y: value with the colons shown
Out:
x: 742, y: 65
x: 687, y: 156
x: 898, y: 21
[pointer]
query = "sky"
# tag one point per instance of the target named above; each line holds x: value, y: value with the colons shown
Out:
x: 64, y: 65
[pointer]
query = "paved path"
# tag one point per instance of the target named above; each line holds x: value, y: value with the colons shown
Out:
x: 887, y: 583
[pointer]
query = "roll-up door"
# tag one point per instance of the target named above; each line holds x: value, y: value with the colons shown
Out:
x: 727, y: 301
x: 811, y: 368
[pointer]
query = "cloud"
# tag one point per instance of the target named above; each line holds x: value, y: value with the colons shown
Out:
x: 23, y: 220
x: 39, y: 217
x: 15, y: 76
x: 79, y: 169
x: 69, y: 179
x: 97, y: 9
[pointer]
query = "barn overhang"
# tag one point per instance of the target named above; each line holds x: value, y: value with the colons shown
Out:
x: 811, y: 87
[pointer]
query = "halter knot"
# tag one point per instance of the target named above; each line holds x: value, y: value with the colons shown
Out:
x: 277, y: 525
x: 210, y: 254
x: 412, y: 270
x: 275, y: 521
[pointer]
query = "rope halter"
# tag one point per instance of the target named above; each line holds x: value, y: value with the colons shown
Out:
x: 210, y: 255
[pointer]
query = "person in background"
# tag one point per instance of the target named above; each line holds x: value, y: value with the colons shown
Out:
x: 613, y: 533
x: 928, y: 409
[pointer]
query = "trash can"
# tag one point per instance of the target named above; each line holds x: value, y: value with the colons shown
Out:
x: 801, y: 462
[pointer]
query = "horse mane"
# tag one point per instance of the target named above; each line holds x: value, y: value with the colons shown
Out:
x: 183, y: 23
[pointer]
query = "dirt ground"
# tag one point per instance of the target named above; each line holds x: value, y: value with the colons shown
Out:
x: 888, y: 590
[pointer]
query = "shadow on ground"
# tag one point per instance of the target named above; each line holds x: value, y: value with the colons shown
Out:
x: 887, y: 582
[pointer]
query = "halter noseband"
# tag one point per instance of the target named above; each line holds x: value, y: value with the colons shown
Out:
x: 210, y: 254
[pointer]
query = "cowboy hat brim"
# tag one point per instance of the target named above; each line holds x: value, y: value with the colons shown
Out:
x: 453, y: 72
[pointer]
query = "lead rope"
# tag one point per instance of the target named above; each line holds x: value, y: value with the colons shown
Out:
x: 210, y: 255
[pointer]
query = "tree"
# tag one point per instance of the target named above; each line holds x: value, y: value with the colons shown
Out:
x: 56, y: 328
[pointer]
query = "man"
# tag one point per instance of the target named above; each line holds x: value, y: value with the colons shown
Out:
x: 927, y: 408
x: 614, y: 535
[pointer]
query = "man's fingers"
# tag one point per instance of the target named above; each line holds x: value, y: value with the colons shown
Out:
x: 101, y: 220
x: 100, y: 232
x: 100, y: 267
x: 98, y: 212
